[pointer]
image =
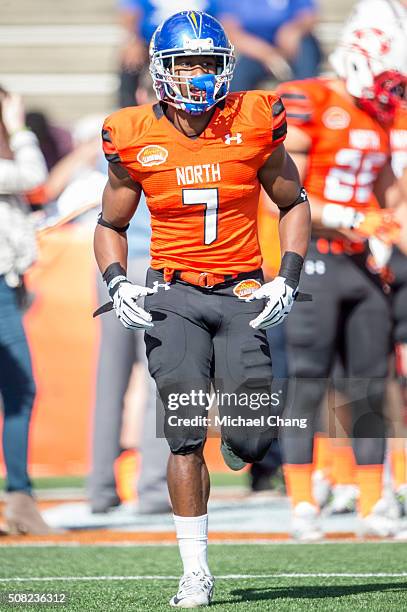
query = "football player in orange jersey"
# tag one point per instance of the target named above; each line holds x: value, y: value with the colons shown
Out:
x: 338, y: 137
x: 200, y: 156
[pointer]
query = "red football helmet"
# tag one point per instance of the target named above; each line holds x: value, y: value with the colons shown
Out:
x: 372, y: 62
x: 387, y: 94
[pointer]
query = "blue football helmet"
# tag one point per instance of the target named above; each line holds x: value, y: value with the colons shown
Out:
x: 191, y: 33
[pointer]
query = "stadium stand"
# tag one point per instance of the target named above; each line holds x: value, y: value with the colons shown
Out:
x: 64, y: 61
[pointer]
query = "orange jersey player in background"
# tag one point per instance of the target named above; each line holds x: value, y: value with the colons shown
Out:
x: 200, y: 156
x: 338, y: 136
x: 347, y: 146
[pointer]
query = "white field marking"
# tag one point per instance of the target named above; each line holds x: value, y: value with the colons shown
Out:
x: 147, y: 544
x: 221, y: 577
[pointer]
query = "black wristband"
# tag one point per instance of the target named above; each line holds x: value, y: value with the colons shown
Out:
x: 113, y: 271
x: 290, y: 269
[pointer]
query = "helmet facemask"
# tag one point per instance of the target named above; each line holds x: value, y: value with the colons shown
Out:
x: 200, y: 92
x: 191, y: 34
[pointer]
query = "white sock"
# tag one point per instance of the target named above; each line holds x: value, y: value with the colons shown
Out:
x: 192, y: 535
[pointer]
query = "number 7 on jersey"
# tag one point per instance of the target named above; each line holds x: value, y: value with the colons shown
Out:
x: 210, y: 199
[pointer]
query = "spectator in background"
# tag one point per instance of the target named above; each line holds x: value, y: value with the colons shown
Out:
x: 271, y: 37
x: 22, y: 167
x: 55, y: 142
x: 139, y: 19
x: 79, y: 178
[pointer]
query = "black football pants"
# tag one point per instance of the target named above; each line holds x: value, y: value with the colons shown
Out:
x: 348, y: 318
x: 202, y: 336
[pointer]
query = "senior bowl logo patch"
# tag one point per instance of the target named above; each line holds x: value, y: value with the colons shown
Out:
x: 245, y: 288
x: 336, y: 118
x: 152, y: 155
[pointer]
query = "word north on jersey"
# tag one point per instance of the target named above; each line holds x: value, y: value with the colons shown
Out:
x: 203, y: 173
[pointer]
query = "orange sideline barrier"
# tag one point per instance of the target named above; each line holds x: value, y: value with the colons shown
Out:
x: 63, y: 339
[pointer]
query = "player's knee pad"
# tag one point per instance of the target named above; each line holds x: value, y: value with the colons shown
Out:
x: 185, y: 446
x: 183, y: 435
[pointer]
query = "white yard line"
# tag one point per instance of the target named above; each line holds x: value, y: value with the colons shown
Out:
x: 237, y: 542
x: 223, y: 577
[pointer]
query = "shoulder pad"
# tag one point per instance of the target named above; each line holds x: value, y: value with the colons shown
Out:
x: 123, y: 129
x: 302, y: 99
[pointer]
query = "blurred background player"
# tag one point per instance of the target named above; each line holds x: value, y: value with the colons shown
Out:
x: 22, y: 167
x: 272, y: 38
x: 139, y: 19
x: 338, y: 480
x: 338, y: 137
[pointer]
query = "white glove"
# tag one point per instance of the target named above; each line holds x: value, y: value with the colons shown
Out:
x: 280, y: 299
x: 126, y: 309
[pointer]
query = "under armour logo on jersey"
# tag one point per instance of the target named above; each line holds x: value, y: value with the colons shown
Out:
x: 156, y: 285
x: 237, y: 139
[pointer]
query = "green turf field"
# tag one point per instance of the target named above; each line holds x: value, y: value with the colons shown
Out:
x: 256, y: 592
x: 218, y: 479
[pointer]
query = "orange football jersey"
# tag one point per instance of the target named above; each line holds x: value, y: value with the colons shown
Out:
x: 202, y: 193
x: 398, y: 142
x: 348, y: 146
